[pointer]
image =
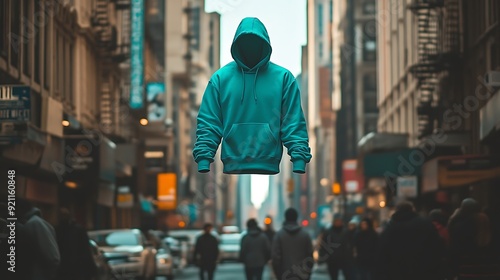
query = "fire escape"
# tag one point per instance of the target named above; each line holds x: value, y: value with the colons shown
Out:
x: 437, y: 47
x: 113, y: 46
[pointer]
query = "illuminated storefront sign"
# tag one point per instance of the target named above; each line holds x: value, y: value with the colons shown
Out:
x: 137, y: 55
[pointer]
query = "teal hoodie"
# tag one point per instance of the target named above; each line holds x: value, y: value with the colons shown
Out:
x: 253, y: 106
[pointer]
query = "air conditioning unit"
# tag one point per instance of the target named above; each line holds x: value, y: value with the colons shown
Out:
x: 492, y: 79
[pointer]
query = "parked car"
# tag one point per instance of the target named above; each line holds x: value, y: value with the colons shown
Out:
x: 104, y: 271
x: 179, y: 251
x: 229, y: 247
x: 141, y: 256
x: 164, y: 258
x: 230, y: 229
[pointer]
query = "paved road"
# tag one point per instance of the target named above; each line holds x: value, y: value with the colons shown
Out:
x: 234, y: 271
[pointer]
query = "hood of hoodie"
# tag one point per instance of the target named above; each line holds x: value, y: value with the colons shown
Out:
x: 33, y: 212
x: 251, y: 47
x: 254, y: 231
x: 251, y: 50
x: 291, y: 228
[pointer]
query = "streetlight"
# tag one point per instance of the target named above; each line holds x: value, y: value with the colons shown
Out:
x: 65, y: 123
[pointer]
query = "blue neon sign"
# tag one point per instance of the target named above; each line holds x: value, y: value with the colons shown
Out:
x: 137, y: 55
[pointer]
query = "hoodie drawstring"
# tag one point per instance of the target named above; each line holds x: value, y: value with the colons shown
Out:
x: 243, y: 92
x: 255, y: 84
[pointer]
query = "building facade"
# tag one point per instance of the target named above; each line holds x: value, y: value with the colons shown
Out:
x: 81, y: 147
x: 433, y: 59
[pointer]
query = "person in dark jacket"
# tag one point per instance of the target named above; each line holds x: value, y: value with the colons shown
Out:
x: 77, y: 261
x: 206, y: 252
x: 292, y: 251
x: 255, y: 251
x: 409, y: 247
x: 473, y: 256
x: 365, y: 246
x: 37, y: 252
x: 342, y: 257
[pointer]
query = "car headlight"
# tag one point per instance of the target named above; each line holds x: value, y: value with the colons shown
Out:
x: 165, y: 261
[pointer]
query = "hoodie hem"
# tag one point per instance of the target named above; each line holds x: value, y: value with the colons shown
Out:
x: 255, y: 166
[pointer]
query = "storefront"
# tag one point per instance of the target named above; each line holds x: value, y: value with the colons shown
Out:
x: 448, y: 180
x: 88, y: 179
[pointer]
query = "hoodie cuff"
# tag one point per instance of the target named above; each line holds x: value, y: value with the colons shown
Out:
x: 299, y: 166
x: 204, y: 166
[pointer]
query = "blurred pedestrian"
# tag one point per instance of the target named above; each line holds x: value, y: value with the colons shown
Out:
x: 365, y: 246
x: 409, y: 247
x: 440, y: 222
x: 37, y: 253
x: 206, y: 252
x: 473, y: 256
x: 292, y: 251
x: 255, y: 251
x: 77, y: 261
x: 268, y: 229
x: 342, y: 257
x: 270, y: 233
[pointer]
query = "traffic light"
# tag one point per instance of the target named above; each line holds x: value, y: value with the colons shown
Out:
x: 267, y: 221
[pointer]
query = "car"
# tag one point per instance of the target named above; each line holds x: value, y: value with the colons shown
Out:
x: 164, y: 257
x: 179, y: 251
x: 140, y: 255
x: 229, y: 247
x: 230, y: 229
x: 104, y: 271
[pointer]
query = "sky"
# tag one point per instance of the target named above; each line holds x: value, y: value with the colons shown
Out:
x: 285, y: 21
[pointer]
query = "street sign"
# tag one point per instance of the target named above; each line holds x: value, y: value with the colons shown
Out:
x: 407, y: 186
x: 15, y: 103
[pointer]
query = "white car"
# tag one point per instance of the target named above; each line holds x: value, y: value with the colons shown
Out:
x: 229, y: 247
x: 141, y: 256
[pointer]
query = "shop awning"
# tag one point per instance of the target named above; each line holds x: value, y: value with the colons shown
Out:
x: 456, y: 171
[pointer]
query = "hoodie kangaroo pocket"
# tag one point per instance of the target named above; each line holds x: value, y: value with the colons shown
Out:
x: 249, y: 140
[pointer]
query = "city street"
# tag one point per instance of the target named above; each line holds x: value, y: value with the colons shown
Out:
x: 233, y: 271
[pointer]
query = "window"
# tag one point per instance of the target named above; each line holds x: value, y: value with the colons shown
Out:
x: 370, y: 82
x: 320, y: 19
x: 195, y: 21
x: 370, y: 102
x: 46, y: 48
x: 38, y: 43
x: 321, y: 49
x: 369, y: 49
x: 15, y: 37
x: 369, y: 8
x: 331, y: 11
x: 4, y: 12
x: 211, y: 55
x: 70, y: 71
x: 27, y: 36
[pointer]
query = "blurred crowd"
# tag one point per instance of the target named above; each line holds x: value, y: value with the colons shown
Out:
x: 462, y: 246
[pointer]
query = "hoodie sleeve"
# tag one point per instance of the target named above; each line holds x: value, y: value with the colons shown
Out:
x: 294, y: 129
x: 209, y: 129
